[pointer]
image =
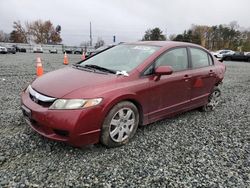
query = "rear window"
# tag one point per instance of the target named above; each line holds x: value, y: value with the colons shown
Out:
x: 199, y: 58
x: 176, y: 58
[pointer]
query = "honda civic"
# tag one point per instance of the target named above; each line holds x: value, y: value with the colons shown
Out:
x: 106, y: 97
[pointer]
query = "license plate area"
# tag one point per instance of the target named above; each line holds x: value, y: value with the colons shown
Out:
x: 26, y: 112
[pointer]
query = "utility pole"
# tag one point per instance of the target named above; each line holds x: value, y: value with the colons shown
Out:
x: 90, y: 34
x: 166, y: 34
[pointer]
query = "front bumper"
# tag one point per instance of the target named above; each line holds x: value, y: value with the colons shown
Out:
x: 76, y: 127
x: 3, y: 52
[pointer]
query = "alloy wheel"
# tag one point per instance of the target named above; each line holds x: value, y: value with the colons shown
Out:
x: 213, y: 100
x: 122, y: 124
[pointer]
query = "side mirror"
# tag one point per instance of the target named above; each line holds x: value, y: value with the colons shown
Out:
x: 162, y: 70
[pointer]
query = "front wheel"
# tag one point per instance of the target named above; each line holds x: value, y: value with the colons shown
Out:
x: 213, y: 100
x: 120, y: 124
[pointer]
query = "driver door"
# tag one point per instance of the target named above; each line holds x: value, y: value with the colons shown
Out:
x: 171, y: 93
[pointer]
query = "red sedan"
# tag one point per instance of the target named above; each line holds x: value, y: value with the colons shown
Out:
x: 105, y: 97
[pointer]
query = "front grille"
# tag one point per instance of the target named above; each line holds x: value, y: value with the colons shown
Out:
x: 42, y: 103
x: 39, y: 98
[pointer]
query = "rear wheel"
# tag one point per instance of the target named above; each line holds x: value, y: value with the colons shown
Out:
x: 228, y: 58
x: 120, y: 124
x: 213, y: 100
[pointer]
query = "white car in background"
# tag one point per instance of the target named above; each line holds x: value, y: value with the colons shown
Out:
x: 219, y: 54
x: 3, y: 50
x: 37, y: 49
x: 53, y: 50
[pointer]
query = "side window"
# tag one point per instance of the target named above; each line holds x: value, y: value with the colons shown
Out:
x: 176, y: 58
x: 149, y: 71
x: 199, y: 58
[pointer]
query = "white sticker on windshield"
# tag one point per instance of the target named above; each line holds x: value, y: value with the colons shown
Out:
x: 124, y: 73
x: 146, y: 48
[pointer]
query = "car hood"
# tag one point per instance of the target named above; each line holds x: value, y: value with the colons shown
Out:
x: 61, y: 82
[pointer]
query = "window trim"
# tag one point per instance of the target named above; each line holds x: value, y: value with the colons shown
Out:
x: 211, y: 63
x: 163, y: 53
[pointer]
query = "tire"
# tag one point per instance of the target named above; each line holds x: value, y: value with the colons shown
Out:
x: 228, y: 58
x: 120, y: 124
x: 213, y: 100
x: 248, y: 59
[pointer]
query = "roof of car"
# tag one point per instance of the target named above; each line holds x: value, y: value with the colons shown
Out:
x: 164, y: 43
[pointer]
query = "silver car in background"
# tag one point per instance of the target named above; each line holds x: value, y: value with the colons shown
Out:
x: 3, y: 50
x: 37, y: 49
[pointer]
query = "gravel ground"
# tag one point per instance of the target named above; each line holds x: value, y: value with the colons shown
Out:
x: 194, y: 149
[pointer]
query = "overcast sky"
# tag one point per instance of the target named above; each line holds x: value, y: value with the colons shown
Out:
x: 127, y: 19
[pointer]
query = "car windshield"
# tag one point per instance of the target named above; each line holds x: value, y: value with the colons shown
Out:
x: 122, y: 57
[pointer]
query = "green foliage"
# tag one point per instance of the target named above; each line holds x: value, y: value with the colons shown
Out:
x: 154, y: 34
x: 188, y: 36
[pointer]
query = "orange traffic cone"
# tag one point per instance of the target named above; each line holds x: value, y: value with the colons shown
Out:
x: 39, y: 67
x: 65, y: 61
x: 83, y: 56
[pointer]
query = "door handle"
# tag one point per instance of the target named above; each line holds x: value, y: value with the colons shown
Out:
x: 186, y: 77
x: 211, y: 73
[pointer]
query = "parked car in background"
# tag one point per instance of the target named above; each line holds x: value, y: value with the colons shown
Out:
x: 68, y: 50
x: 218, y: 54
x: 3, y: 50
x: 88, y: 54
x: 11, y: 49
x: 53, y: 51
x: 19, y: 49
x: 37, y: 49
x: 236, y: 56
x: 78, y: 51
x: 105, y: 97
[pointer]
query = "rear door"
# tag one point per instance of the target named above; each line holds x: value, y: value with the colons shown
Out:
x: 202, y: 75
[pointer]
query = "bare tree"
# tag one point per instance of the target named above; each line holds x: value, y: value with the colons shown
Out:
x: 19, y: 34
x: 99, y: 43
x: 172, y: 37
x: 43, y: 32
x: 2, y: 37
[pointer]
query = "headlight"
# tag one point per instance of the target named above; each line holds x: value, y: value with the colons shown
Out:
x: 60, y: 104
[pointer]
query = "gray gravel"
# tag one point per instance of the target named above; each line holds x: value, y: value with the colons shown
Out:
x: 194, y: 149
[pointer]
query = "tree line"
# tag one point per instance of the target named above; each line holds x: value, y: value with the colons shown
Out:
x: 211, y: 37
x: 40, y: 32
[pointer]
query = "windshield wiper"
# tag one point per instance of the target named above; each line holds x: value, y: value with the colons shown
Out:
x: 79, y: 66
x: 100, y: 68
